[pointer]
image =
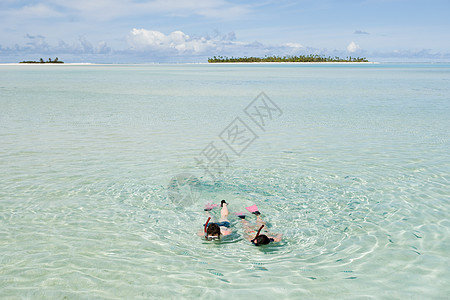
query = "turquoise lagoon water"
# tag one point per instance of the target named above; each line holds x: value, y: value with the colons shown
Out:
x: 354, y: 173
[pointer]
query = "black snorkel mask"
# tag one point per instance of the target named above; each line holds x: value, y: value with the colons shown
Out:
x: 210, y: 238
x: 254, y: 242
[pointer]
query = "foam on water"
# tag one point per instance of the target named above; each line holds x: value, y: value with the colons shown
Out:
x: 355, y: 174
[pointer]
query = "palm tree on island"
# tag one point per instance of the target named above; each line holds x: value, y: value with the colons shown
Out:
x: 300, y: 58
x: 41, y: 61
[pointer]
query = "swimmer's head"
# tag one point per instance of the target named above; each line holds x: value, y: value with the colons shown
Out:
x: 213, y: 231
x: 261, y: 239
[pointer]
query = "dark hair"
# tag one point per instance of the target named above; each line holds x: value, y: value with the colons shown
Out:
x: 262, y: 239
x: 213, y: 230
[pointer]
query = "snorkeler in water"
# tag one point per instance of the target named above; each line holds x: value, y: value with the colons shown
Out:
x: 252, y: 233
x: 213, y: 231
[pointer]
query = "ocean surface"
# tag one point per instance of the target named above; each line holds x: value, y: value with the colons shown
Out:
x: 106, y: 169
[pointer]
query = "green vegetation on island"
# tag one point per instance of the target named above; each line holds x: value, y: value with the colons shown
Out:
x: 301, y: 58
x: 41, y: 61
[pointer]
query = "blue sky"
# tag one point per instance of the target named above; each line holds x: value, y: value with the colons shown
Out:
x: 143, y: 31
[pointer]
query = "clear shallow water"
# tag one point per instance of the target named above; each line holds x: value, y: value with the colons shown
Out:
x: 354, y: 173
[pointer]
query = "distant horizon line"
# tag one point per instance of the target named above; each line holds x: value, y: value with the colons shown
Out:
x: 225, y: 63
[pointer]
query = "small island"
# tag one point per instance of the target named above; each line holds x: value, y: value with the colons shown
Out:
x: 282, y: 59
x: 41, y: 61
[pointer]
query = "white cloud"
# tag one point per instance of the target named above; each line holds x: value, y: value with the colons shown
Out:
x: 294, y: 45
x: 353, y: 47
x: 36, y: 41
x: 38, y: 44
x: 177, y: 41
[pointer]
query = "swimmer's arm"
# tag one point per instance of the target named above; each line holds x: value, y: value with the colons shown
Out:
x: 201, y: 233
